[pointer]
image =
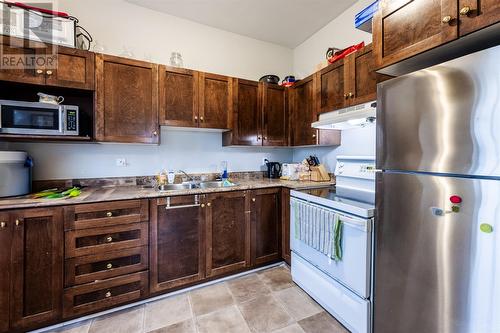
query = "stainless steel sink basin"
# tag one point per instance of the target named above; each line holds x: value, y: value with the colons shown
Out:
x: 213, y: 184
x: 173, y: 187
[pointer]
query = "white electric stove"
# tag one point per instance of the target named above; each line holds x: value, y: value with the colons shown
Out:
x: 343, y: 287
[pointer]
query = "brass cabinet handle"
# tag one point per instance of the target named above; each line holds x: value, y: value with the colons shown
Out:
x: 253, y: 199
x: 18, y: 223
x: 351, y: 95
x: 39, y: 71
x: 314, y: 135
x: 202, y: 205
x: 258, y: 138
x: 346, y: 95
x: 109, y: 214
x: 196, y: 118
x: 108, y: 294
x: 265, y: 138
x: 209, y: 204
x: 446, y: 19
x: 201, y: 118
x: 109, y: 266
x: 109, y: 239
x: 465, y: 11
x: 3, y: 225
x: 155, y: 133
x: 49, y: 72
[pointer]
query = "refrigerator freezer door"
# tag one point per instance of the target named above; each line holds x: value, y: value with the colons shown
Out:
x: 444, y: 119
x: 437, y: 264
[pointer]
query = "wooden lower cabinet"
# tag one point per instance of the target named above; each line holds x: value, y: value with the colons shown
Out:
x: 37, y: 267
x: 176, y: 242
x: 5, y: 272
x: 265, y: 226
x: 228, y: 233
x: 286, y: 252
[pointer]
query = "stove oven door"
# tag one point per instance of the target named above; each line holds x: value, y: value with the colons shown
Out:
x: 307, y: 239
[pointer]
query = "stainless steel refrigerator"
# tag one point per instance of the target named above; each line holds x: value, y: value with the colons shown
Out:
x: 437, y: 261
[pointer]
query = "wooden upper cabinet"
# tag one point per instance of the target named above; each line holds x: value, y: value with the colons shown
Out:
x: 37, y: 267
x: 274, y: 115
x: 228, y: 232
x: 333, y: 86
x: 126, y: 100
x: 477, y: 14
x: 75, y: 69
x: 402, y: 29
x: 177, y: 245
x: 304, y: 112
x: 6, y: 228
x: 246, y: 118
x: 178, y: 97
x: 21, y: 73
x: 265, y: 225
x: 215, y: 100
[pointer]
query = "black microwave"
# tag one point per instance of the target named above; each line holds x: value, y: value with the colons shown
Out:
x: 34, y: 118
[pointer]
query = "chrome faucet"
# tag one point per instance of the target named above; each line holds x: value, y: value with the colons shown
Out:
x: 191, y: 178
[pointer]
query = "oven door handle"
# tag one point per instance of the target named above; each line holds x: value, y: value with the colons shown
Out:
x: 355, y: 223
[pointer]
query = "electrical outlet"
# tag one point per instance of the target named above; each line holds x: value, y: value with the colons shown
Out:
x: 264, y: 160
x: 121, y: 162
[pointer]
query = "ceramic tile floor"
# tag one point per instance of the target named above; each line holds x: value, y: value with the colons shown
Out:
x: 267, y: 301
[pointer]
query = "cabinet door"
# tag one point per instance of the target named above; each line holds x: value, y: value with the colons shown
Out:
x: 304, y: 112
x: 266, y: 225
x: 5, y: 274
x: 177, y: 242
x: 362, y: 76
x: 75, y: 69
x: 215, y: 101
x: 402, y: 29
x: 275, y: 117
x: 246, y: 118
x: 286, y: 252
x: 228, y: 233
x: 477, y: 14
x: 17, y: 49
x: 37, y: 267
x: 127, y: 100
x: 178, y: 97
x: 333, y: 87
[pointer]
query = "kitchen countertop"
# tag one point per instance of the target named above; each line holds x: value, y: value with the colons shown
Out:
x: 115, y: 193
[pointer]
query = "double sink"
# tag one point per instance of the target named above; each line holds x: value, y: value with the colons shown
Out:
x: 194, y: 185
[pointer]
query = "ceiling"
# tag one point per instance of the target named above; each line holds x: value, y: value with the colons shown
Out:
x: 283, y: 22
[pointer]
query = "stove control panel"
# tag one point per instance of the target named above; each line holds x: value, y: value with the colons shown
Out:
x: 355, y: 168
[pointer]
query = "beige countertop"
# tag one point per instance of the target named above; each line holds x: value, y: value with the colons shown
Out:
x: 115, y: 193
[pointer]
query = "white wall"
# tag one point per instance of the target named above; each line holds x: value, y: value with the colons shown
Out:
x: 152, y: 36
x: 189, y: 151
x: 339, y: 33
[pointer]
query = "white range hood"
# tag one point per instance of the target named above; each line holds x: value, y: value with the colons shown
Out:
x: 351, y: 117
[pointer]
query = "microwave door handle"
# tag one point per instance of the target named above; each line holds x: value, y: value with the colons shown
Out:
x: 0, y: 116
x: 61, y: 117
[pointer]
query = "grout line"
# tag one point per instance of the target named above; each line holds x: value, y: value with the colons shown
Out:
x: 193, y: 317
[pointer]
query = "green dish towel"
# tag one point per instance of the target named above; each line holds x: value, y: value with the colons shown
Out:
x: 337, y: 239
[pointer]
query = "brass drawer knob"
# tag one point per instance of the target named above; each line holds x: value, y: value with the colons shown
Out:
x: 155, y: 133
x: 49, y: 72
x: 446, y: 19
x: 39, y: 71
x: 18, y: 223
x: 109, y: 214
x: 196, y: 118
x: 465, y: 11
x: 109, y: 266
x: 346, y: 96
x: 351, y: 95
x: 253, y: 199
x: 314, y: 135
x: 108, y: 294
x: 3, y: 225
x: 201, y: 118
x: 209, y: 204
x: 202, y: 205
x: 109, y: 239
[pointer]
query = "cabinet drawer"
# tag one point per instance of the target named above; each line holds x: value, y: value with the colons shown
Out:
x: 100, y: 295
x: 102, y: 240
x: 105, y: 214
x: 104, y: 266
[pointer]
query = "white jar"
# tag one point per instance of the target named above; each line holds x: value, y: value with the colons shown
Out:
x: 15, y: 177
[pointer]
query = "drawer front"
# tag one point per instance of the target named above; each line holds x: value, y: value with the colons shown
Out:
x: 100, y: 295
x: 104, y: 266
x: 105, y: 214
x: 102, y: 240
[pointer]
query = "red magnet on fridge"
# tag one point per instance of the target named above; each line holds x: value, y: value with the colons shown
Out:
x: 455, y: 199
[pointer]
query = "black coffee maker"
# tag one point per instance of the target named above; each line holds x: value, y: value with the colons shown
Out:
x: 273, y: 169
